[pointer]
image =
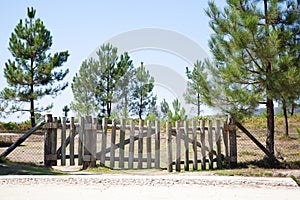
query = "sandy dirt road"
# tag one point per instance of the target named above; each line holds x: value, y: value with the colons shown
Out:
x: 146, y: 187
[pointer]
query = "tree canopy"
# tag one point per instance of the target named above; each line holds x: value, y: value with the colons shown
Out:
x: 253, y: 58
x: 197, y: 86
x: 33, y: 73
x: 142, y: 97
x: 83, y: 88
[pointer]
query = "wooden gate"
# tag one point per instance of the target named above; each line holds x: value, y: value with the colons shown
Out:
x: 130, y: 144
x: 201, y: 144
x: 114, y: 145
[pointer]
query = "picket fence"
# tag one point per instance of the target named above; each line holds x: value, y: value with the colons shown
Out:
x: 126, y: 145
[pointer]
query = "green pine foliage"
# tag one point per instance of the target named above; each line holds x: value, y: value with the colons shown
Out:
x: 143, y: 98
x: 102, y: 83
x: 125, y: 85
x: 178, y: 113
x: 33, y: 73
x: 83, y: 88
x: 107, y: 74
x: 255, y: 45
x: 197, y: 86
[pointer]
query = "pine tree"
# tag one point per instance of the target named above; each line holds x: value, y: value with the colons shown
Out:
x: 125, y: 85
x: 164, y: 108
x: 177, y: 115
x: 142, y: 95
x: 33, y: 72
x: 108, y: 75
x: 251, y: 56
x: 290, y: 41
x: 83, y: 88
x: 197, y: 87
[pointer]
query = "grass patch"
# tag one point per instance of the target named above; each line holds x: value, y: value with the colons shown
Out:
x: 13, y: 168
x: 244, y: 172
x: 99, y: 170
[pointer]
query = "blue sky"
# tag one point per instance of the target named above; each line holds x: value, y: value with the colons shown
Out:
x: 81, y: 26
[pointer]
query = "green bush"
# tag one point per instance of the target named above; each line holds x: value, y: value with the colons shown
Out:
x: 10, y: 126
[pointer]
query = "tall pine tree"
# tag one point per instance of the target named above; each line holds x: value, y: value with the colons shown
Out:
x: 83, y: 88
x: 251, y: 56
x: 197, y: 86
x: 125, y: 85
x: 108, y: 74
x: 142, y: 98
x: 33, y: 73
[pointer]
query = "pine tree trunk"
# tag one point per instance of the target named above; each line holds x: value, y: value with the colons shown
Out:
x: 270, y: 126
x: 32, y: 118
x: 286, y: 123
x: 293, y: 109
x: 198, y: 102
x: 270, y: 104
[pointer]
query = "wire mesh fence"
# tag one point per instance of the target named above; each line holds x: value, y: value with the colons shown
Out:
x: 286, y: 148
x: 30, y: 151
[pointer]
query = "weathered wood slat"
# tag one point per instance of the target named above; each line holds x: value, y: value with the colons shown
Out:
x: 186, y: 146
x: 71, y: 141
x: 131, y: 144
x: 232, y: 144
x: 169, y: 146
x: 225, y: 141
x: 148, y: 144
x: 203, y: 149
x: 218, y: 144
x: 63, y: 142
x: 122, y: 144
x: 112, y: 143
x: 194, y: 138
x: 157, y: 145
x: 80, y: 141
x: 140, y: 144
x: 178, y: 147
x: 210, y: 143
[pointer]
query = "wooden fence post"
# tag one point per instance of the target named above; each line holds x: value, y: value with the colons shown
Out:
x: 225, y: 140
x: 169, y: 147
x: 178, y: 147
x: 89, y: 157
x: 218, y: 144
x: 112, y: 143
x: 202, y: 138
x: 63, y: 141
x: 157, y: 144
x: 148, y: 143
x: 94, y: 142
x: 140, y: 144
x: 72, y: 135
x: 194, y: 135
x: 186, y: 146
x: 210, y: 143
x: 80, y: 141
x: 232, y: 143
x: 50, y: 144
x: 122, y: 143
x: 131, y: 144
x: 103, y: 143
